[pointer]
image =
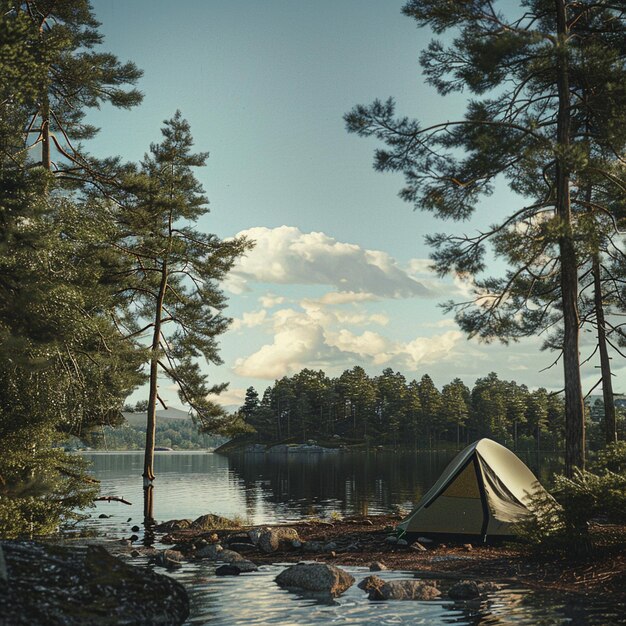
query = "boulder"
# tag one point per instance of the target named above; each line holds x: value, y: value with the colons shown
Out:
x: 313, y: 546
x: 244, y: 566
x: 318, y: 578
x: 211, y: 522
x: 391, y: 540
x: 210, y: 551
x: 471, y: 589
x: 73, y: 586
x: 278, y: 538
x: 229, y: 556
x: 242, y: 547
x: 171, y: 559
x: 227, y: 570
x: 403, y: 589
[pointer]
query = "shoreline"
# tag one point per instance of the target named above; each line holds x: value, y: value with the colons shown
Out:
x: 360, y: 541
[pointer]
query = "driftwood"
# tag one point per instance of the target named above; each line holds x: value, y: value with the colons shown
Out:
x: 113, y: 499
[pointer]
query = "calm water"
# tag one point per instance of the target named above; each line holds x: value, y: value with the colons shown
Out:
x: 273, y: 488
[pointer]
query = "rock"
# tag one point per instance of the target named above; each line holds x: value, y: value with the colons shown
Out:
x: 242, y: 547
x: 468, y: 547
x: 402, y: 542
x: 254, y: 535
x: 210, y: 551
x: 424, y: 540
x: 404, y: 589
x: 471, y: 589
x: 103, y: 516
x: 391, y: 540
x: 296, y: 544
x: 245, y: 566
x: 51, y: 584
x: 278, y: 538
x: 135, y: 529
x: 313, y: 546
x: 171, y: 559
x: 227, y: 570
x: 210, y: 521
x: 418, y: 547
x: 371, y: 582
x: 316, y: 577
x: 133, y: 538
x: 173, y: 524
x: 229, y: 556
x: 135, y: 553
x: 377, y: 566
x: 331, y: 546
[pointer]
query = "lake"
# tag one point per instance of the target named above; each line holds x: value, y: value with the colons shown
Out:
x: 270, y: 488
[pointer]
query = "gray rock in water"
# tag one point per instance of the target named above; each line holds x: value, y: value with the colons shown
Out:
x: 316, y: 577
x: 471, y: 589
x: 402, y: 542
x: 313, y: 546
x: 331, y: 546
x: 210, y: 551
x: 409, y: 589
x: 391, y: 539
x: 227, y: 570
x: 279, y: 538
x: 229, y: 556
x: 245, y: 566
x: 254, y: 535
x: 171, y: 559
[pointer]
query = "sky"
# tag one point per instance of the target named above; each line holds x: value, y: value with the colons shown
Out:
x: 340, y: 274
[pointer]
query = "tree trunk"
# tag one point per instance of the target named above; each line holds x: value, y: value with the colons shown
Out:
x: 148, y: 460
x: 574, y: 408
x: 610, y: 427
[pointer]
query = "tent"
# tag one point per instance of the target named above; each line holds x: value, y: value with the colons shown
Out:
x: 483, y: 492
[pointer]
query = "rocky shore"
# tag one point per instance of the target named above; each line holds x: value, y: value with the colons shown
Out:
x: 368, y: 540
x: 84, y: 584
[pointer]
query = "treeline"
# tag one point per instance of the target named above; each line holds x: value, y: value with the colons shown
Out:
x: 175, y: 434
x: 389, y: 409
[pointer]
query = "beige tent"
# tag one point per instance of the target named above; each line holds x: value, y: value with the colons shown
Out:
x: 483, y: 492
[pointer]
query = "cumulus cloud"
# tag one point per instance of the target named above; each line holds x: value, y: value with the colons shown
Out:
x: 315, y: 337
x: 249, y: 320
x: 286, y: 255
x: 270, y: 300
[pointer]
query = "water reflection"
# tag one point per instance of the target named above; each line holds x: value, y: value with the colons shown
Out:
x: 272, y: 488
x: 267, y: 488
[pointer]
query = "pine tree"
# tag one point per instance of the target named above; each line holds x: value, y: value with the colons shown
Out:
x: 529, y: 125
x: 174, y: 274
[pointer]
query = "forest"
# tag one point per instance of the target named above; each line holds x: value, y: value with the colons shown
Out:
x: 388, y: 409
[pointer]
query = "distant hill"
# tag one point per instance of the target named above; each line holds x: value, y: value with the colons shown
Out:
x: 138, y: 418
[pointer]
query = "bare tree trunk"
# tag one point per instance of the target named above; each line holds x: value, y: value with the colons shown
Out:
x: 148, y: 462
x: 574, y: 408
x: 610, y: 427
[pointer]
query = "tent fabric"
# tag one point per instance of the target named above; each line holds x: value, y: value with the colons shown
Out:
x: 484, y: 491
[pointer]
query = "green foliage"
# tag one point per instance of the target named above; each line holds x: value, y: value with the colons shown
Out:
x: 176, y: 434
x: 562, y: 523
x: 173, y: 269
x: 388, y: 409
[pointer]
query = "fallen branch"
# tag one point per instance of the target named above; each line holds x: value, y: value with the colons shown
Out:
x: 113, y: 499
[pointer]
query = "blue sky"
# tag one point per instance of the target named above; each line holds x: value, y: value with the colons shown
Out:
x: 339, y: 275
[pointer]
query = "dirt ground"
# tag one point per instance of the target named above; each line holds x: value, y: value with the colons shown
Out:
x: 360, y: 541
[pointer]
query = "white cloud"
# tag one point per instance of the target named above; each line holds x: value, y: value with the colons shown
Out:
x: 249, y: 320
x: 285, y: 255
x: 229, y: 398
x: 270, y: 300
